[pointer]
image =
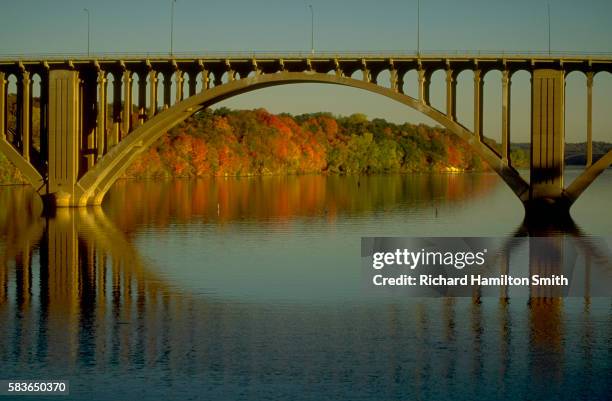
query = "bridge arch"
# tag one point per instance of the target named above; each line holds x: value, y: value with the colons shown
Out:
x: 92, y: 187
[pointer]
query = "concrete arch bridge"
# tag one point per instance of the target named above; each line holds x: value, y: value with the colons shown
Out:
x: 81, y: 153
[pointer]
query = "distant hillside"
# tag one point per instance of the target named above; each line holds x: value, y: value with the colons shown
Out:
x: 575, y: 153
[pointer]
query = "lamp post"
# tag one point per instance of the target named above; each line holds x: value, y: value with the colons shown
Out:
x: 172, y: 26
x: 548, y: 6
x: 311, y: 28
x: 88, y: 30
x: 418, y: 27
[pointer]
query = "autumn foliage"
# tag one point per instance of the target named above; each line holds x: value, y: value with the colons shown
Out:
x: 255, y: 142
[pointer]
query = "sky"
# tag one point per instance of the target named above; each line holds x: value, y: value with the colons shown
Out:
x: 36, y: 26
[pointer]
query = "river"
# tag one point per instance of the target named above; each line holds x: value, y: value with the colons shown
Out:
x: 251, y: 289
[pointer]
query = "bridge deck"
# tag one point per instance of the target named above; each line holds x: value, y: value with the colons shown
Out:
x: 458, y: 55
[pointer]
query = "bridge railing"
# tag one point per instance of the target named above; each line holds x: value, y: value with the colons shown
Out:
x: 8, y: 57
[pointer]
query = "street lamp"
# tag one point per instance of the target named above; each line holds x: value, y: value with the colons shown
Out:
x: 87, y: 11
x: 418, y: 27
x: 311, y: 28
x: 172, y: 25
x: 548, y: 5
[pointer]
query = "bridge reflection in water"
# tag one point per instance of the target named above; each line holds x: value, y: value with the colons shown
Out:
x: 75, y: 295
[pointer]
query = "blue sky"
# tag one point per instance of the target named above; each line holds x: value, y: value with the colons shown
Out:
x: 32, y: 26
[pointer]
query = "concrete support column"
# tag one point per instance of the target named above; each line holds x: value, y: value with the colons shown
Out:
x: 63, y: 136
x: 423, y: 85
x: 393, y: 79
x: 400, y: 81
x: 82, y: 166
x: 338, y: 68
x: 178, y: 81
x: 142, y: 96
x: 205, y: 79
x: 478, y: 104
x: 451, y: 93
x: 88, y: 101
x: 114, y: 137
x: 547, y: 133
x: 152, y: 93
x: 127, y: 103
x: 23, y: 104
x: 505, y: 140
x: 2, y: 106
x: 167, y: 89
x: 231, y: 75
x: 44, y: 114
x: 101, y: 118
x: 374, y: 76
x: 193, y: 82
x: 309, y: 65
x: 217, y: 80
x: 367, y: 77
x: 589, y: 144
x: 255, y: 67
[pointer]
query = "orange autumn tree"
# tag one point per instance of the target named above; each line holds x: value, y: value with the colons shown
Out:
x: 228, y: 142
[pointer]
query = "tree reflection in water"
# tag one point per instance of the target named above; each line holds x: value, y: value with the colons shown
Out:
x: 75, y: 294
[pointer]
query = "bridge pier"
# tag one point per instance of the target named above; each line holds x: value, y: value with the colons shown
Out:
x: 545, y: 212
x: 64, y: 133
x: 546, y: 195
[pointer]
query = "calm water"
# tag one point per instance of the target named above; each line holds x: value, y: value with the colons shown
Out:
x: 251, y: 289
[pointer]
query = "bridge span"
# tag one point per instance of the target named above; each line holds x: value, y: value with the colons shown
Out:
x: 86, y: 143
